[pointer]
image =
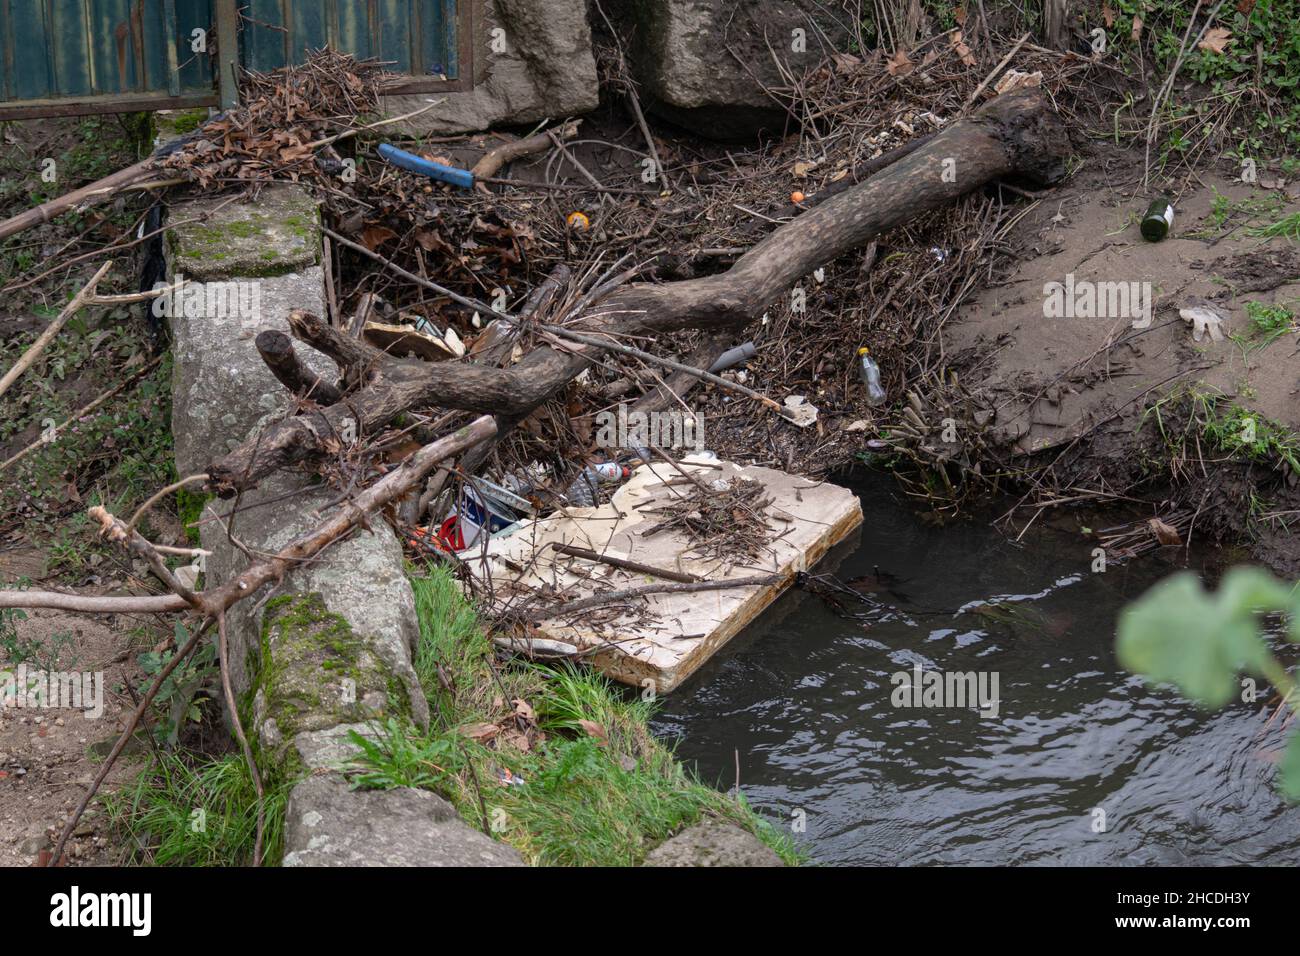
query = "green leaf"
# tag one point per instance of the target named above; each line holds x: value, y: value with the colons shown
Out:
x: 1288, y: 770
x: 1177, y: 633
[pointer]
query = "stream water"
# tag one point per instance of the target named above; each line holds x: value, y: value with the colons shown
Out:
x: 800, y: 704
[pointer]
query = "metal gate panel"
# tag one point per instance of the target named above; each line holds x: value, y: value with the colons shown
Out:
x: 68, y: 57
x: 422, y: 38
x: 78, y: 56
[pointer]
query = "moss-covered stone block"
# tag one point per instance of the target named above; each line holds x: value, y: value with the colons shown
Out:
x: 314, y: 672
x: 276, y: 235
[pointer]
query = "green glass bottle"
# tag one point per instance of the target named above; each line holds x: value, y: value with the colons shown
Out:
x: 1158, y: 220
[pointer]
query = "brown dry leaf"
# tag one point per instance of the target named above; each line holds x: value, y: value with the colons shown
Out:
x: 1137, y: 27
x: 480, y: 732
x: 291, y: 154
x: 959, y: 14
x: 1215, y: 39
x: 595, y: 730
x: 900, y: 64
x: 372, y: 237
x: 517, y: 740
x: 1165, y: 533
x: 584, y: 429
x: 962, y: 49
x: 431, y: 241
x: 1245, y: 6
x: 1015, y: 79
x: 1108, y: 14
x: 845, y: 63
x: 398, y: 453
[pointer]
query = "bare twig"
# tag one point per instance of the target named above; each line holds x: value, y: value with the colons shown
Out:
x: 636, y: 566
x: 124, y: 738
x: 53, y: 329
x: 613, y: 597
x: 223, y: 656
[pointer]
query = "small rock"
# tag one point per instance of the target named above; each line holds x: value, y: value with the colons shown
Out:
x: 713, y: 843
x: 34, y: 842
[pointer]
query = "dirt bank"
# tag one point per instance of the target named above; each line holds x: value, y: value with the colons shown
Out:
x: 1105, y: 407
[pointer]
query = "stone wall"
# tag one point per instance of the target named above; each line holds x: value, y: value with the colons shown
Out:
x: 330, y: 648
x: 539, y: 65
x: 706, y: 64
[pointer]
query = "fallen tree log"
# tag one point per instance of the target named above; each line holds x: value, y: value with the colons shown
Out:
x: 1015, y: 134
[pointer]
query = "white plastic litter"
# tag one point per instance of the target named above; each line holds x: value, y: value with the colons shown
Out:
x: 800, y: 411
x: 1204, y: 317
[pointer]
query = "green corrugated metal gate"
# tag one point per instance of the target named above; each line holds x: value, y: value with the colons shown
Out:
x: 87, y: 56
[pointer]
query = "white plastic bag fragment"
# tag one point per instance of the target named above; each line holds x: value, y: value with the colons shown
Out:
x: 800, y: 411
x: 1204, y: 317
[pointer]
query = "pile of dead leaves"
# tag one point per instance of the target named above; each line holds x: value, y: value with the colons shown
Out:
x: 283, y: 119
x: 517, y: 730
x: 426, y: 229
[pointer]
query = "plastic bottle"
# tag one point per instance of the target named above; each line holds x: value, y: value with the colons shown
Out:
x: 582, y: 492
x: 869, y: 372
x: 1158, y: 220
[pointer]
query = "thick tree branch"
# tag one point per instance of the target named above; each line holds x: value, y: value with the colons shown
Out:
x: 92, y: 604
x: 343, y: 519
x: 1014, y: 134
x: 277, y: 352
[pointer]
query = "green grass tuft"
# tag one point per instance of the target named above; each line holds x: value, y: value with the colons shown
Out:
x: 1288, y: 227
x: 596, y: 789
x: 181, y: 813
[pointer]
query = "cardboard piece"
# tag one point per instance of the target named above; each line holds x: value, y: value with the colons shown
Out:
x: 663, y: 638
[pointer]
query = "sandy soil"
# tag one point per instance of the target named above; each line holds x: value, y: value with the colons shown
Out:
x: 1055, y: 379
x: 48, y: 757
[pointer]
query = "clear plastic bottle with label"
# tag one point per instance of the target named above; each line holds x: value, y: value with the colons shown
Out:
x: 582, y: 492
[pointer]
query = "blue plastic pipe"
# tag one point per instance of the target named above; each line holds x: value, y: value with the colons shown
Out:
x: 416, y: 164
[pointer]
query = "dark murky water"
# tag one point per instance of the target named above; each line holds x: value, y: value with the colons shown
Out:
x: 803, y: 698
